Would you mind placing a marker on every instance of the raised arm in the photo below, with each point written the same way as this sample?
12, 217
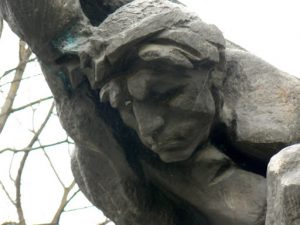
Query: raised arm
100, 165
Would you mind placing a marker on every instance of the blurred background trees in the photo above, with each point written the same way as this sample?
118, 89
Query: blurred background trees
36, 183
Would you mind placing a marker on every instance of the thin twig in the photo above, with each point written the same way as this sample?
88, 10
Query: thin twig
77, 209
71, 198
63, 204
31, 104
21, 168
28, 105
32, 149
25, 78
24, 55
13, 69
10, 168
7, 194
52, 166
39, 131
33, 118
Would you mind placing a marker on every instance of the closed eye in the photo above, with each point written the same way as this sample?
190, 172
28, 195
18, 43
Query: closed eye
165, 96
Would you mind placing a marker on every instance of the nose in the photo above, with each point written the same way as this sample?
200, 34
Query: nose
149, 118
149, 127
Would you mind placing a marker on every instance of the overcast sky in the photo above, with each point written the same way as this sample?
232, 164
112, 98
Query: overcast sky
268, 28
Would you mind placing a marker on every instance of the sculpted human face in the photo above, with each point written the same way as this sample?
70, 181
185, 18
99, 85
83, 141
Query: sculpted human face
170, 109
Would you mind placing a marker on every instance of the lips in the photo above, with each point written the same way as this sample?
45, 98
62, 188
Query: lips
178, 141
174, 154
171, 146
174, 147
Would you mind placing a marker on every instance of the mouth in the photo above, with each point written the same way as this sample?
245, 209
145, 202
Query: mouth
169, 147
173, 152
177, 154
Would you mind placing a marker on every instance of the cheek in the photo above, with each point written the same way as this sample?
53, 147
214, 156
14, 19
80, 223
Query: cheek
128, 118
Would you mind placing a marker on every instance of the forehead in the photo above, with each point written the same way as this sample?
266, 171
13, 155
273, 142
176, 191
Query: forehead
159, 68
161, 65
168, 54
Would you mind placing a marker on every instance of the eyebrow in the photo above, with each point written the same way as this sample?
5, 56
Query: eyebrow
155, 83
166, 87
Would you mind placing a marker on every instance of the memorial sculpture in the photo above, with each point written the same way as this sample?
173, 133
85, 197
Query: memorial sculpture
173, 124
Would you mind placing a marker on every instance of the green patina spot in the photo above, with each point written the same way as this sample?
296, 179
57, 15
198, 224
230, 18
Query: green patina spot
65, 79
66, 39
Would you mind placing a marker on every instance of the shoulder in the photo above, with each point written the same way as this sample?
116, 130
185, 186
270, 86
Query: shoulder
261, 105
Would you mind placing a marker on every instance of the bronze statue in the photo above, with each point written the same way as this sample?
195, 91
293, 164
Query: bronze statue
173, 124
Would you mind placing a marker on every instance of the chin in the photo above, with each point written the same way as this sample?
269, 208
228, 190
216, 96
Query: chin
180, 151
175, 156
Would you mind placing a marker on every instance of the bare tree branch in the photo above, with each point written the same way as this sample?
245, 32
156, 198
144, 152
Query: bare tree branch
10, 168
69, 192
31, 104
63, 203
65, 198
77, 209
18, 190
52, 166
71, 198
24, 54
13, 69
32, 149
21, 168
7, 194
39, 131
28, 105
23, 78
70, 141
